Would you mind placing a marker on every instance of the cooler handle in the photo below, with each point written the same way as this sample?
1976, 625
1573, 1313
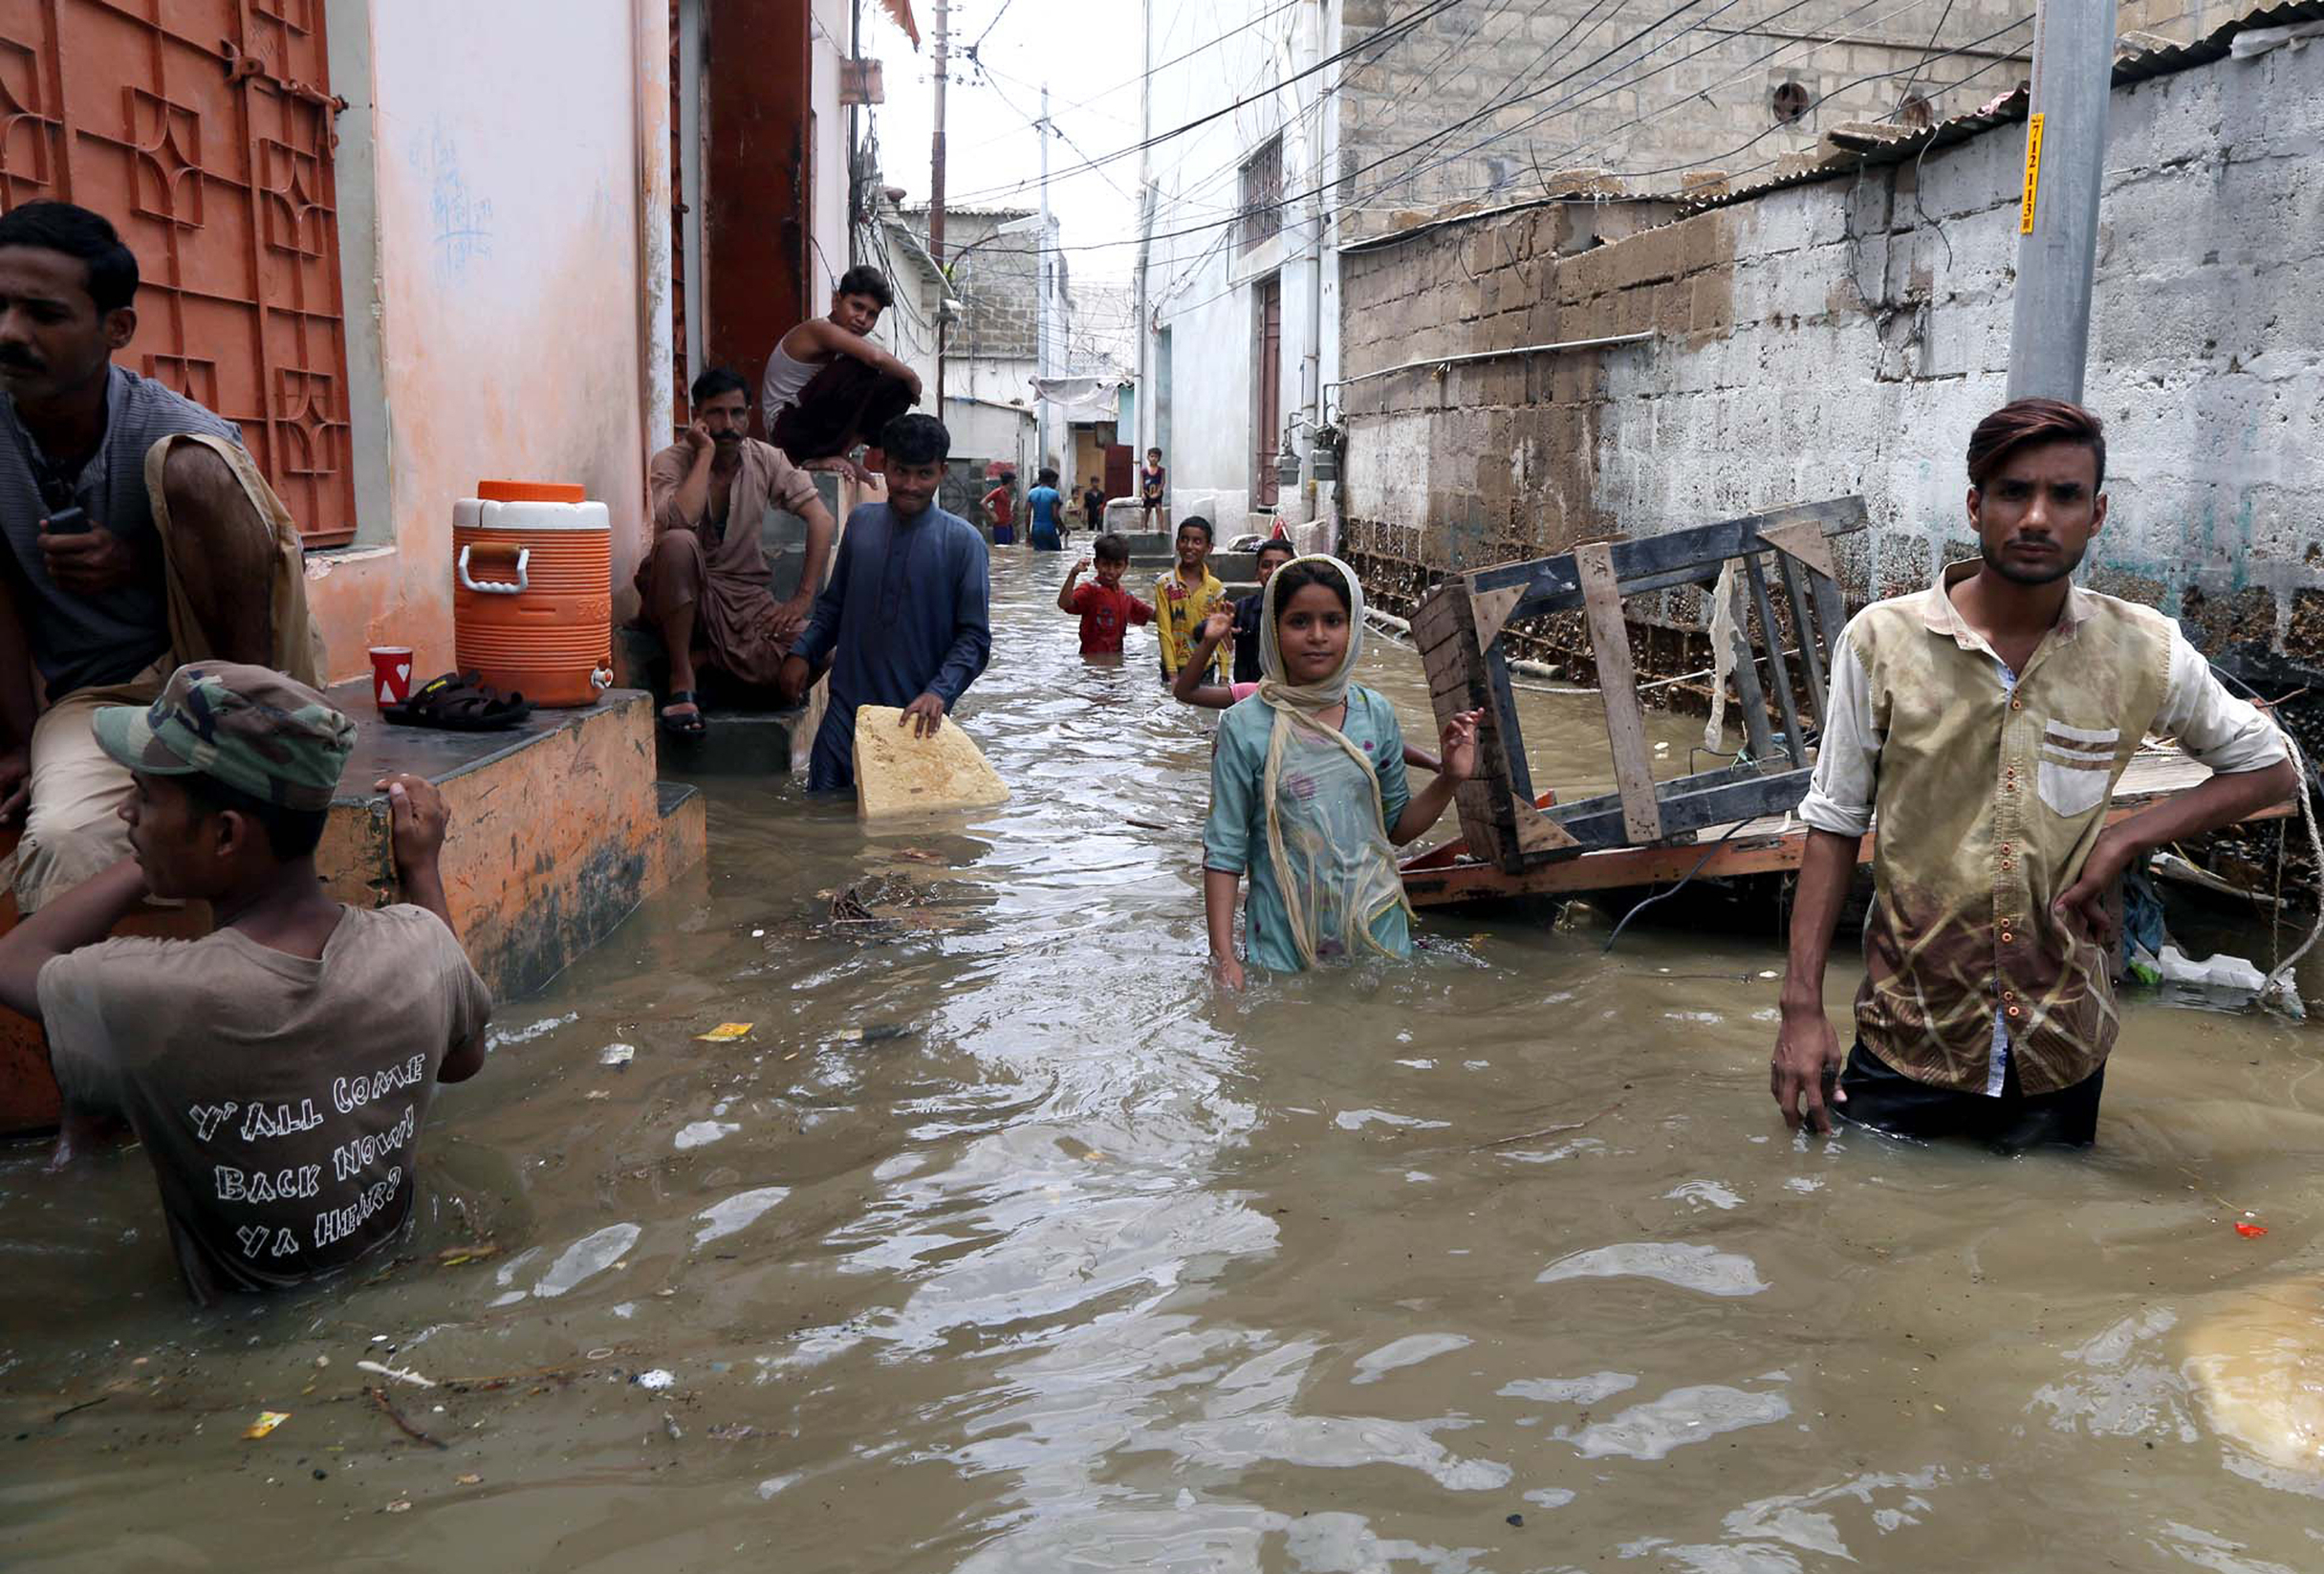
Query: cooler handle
489, 587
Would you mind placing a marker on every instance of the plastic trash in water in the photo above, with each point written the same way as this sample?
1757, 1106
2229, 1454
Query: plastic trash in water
616, 1054
725, 1032
2219, 973
267, 1422
654, 1381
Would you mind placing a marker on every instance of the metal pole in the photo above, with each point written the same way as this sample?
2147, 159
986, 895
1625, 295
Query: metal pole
2057, 240
1144, 422
935, 204
1041, 302
855, 132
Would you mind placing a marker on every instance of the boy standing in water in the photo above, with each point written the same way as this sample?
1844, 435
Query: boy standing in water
906, 620
1274, 553
1106, 610
1001, 504
1043, 504
1183, 597
277, 1072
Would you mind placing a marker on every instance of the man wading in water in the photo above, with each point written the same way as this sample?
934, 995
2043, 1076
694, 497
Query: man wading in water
1986, 720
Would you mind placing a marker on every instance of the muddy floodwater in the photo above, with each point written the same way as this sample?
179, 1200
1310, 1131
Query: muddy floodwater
1002, 1242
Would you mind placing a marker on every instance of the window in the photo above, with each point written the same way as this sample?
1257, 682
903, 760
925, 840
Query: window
1261, 215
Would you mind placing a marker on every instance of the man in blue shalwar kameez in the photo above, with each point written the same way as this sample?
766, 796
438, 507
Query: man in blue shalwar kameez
906, 620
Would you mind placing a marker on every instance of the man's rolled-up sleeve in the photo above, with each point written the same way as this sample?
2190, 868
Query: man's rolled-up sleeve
1848, 756
2228, 733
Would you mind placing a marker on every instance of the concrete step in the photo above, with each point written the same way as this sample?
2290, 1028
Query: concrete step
559, 829
744, 736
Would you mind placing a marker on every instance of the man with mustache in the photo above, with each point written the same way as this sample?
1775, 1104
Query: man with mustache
1986, 719
705, 583
139, 537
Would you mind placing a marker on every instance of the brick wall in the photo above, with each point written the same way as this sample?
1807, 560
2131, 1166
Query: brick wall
995, 277
1844, 337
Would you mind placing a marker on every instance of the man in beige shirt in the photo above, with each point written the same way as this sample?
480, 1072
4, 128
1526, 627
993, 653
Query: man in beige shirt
1986, 722
706, 584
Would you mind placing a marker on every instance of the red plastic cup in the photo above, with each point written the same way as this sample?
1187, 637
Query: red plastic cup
391, 674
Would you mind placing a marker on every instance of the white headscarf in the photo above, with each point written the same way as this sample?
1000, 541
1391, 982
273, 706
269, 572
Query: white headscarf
1308, 699
1363, 877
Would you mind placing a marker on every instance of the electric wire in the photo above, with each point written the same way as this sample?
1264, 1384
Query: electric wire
1388, 30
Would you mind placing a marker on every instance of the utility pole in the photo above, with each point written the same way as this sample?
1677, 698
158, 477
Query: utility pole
935, 204
1144, 422
1041, 302
2057, 232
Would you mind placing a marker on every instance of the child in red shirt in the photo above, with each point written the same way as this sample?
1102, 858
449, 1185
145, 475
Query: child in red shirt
1106, 610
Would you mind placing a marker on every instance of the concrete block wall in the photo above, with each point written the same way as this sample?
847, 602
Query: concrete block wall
1844, 337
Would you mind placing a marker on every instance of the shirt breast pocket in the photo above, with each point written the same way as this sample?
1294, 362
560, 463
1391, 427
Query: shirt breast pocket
2078, 766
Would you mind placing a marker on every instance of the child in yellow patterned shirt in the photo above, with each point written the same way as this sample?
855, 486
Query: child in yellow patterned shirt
1183, 597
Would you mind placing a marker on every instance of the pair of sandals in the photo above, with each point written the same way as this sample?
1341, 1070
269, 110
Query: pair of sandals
459, 702
690, 725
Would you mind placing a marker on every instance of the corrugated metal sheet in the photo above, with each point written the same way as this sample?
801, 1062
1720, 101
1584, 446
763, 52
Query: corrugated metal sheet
1869, 150
2129, 69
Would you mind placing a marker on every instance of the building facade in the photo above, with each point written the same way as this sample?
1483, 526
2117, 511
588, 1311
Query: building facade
405, 266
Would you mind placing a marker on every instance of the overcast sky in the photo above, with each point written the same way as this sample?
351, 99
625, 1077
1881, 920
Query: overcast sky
1091, 70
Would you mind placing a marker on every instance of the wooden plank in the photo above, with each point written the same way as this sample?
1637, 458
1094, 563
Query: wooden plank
1617, 685
1831, 611
1658, 563
1488, 610
1760, 848
1459, 680
1803, 616
1753, 698
1778, 669
1804, 541
1436, 620
1599, 821
1504, 698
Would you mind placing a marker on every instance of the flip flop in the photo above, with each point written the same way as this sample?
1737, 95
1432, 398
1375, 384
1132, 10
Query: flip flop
457, 702
683, 727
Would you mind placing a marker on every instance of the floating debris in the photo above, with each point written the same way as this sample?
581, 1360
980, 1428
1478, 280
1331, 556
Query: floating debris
398, 1373
654, 1381
725, 1032
267, 1422
616, 1054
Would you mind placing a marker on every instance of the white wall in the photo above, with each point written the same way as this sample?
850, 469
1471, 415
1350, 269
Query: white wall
504, 182
1199, 283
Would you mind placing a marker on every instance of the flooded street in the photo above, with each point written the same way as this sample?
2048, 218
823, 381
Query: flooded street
1004, 1242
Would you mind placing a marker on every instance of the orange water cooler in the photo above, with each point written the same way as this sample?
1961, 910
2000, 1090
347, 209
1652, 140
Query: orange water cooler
532, 590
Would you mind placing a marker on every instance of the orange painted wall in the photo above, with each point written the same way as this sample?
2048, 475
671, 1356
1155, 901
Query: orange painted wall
514, 295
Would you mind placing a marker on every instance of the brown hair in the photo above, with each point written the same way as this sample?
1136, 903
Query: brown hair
2027, 423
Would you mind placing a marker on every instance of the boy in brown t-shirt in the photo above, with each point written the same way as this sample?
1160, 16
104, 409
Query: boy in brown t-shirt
277, 1071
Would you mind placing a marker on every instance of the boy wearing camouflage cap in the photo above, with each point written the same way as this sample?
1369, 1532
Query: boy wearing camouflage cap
277, 1071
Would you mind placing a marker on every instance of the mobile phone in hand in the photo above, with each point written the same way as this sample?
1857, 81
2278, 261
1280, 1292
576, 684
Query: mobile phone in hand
71, 521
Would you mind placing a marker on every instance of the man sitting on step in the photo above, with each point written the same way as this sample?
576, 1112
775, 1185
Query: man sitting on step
139, 537
277, 1072
706, 584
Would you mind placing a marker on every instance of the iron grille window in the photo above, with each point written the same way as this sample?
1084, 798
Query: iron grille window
1261, 216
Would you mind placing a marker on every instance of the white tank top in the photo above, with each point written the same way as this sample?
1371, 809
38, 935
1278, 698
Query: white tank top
786, 379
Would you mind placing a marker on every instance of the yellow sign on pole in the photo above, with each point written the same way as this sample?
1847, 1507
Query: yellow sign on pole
2034, 173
